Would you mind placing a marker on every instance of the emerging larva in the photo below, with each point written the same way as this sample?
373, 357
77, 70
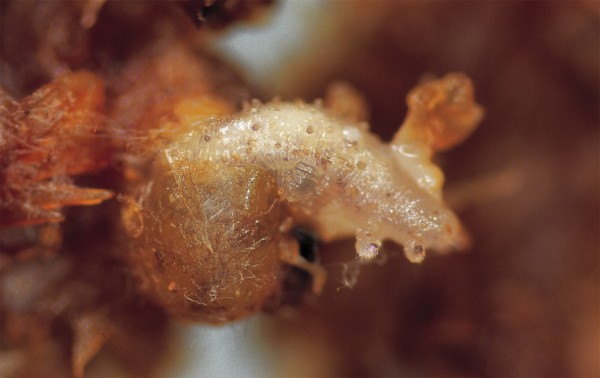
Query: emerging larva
221, 199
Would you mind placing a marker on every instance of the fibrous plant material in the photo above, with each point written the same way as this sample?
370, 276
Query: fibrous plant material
210, 192
209, 221
45, 140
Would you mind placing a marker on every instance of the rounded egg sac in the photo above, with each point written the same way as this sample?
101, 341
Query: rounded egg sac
204, 238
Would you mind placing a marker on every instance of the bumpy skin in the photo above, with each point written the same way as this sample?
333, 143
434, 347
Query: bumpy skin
334, 174
210, 224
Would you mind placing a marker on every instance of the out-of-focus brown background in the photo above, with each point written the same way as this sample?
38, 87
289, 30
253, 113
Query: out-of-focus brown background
525, 300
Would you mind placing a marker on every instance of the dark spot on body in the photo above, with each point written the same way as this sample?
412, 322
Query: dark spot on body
309, 245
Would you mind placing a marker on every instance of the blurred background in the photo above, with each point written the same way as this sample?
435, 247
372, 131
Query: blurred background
524, 301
